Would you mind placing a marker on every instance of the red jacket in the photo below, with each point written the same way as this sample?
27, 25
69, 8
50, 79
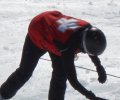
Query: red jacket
50, 26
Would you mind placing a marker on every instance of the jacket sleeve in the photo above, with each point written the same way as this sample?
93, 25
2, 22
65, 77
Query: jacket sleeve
68, 62
102, 76
96, 61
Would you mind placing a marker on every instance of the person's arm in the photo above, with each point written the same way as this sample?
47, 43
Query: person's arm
68, 62
100, 69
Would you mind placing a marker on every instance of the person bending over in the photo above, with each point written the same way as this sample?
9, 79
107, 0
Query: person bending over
62, 36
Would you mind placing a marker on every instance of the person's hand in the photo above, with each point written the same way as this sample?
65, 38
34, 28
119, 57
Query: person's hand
90, 95
98, 98
101, 74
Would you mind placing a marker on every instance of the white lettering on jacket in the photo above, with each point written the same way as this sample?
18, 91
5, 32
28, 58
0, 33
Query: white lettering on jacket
67, 24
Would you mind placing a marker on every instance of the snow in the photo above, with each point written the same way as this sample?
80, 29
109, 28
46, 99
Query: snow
15, 16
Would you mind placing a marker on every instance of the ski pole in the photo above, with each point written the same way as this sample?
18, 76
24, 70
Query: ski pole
96, 71
86, 69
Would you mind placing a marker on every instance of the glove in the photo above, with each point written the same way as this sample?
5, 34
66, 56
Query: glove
90, 95
101, 74
98, 98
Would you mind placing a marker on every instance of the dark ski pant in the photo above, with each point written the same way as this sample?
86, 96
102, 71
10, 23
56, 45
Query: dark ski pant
29, 60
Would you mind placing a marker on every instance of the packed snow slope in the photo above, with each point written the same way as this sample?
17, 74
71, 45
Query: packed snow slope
15, 16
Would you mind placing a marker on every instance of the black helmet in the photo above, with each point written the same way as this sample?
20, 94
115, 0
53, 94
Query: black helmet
93, 41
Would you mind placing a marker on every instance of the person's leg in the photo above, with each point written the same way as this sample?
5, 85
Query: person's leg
17, 79
58, 80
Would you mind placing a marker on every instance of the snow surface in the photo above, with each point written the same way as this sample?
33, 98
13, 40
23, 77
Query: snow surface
15, 16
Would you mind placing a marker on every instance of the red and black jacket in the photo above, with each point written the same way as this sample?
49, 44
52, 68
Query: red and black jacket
51, 26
